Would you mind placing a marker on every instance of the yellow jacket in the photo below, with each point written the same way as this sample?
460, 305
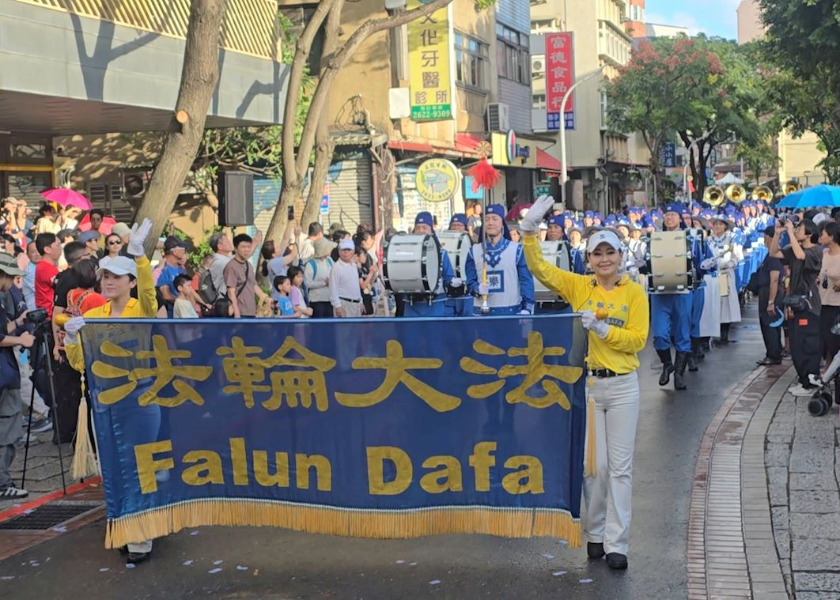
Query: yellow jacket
626, 304
145, 306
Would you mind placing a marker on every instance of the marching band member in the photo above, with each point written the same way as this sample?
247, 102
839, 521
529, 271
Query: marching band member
614, 344
458, 222
458, 302
699, 252
424, 225
727, 253
554, 233
672, 319
510, 285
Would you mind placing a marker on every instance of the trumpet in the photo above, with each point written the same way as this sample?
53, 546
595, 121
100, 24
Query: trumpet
714, 196
763, 193
736, 193
791, 187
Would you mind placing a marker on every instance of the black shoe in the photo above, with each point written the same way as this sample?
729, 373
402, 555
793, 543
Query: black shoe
616, 561
697, 347
595, 550
692, 362
135, 558
679, 370
768, 362
123, 550
667, 366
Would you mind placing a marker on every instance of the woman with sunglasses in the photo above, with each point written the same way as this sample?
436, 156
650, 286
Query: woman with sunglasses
113, 245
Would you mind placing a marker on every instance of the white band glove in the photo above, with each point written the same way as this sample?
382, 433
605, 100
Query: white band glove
137, 238
483, 290
525, 311
708, 264
71, 328
456, 282
531, 222
591, 322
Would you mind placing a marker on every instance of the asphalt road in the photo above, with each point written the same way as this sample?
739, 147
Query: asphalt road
273, 565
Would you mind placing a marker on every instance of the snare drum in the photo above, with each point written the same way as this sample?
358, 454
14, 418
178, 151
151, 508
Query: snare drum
669, 263
457, 245
558, 254
411, 264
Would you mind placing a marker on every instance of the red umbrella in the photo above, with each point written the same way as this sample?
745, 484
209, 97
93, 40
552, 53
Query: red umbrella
64, 197
104, 228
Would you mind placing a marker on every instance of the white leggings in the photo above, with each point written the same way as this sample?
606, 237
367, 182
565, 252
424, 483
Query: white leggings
608, 494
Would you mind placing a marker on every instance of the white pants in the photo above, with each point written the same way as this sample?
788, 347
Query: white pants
40, 408
608, 494
140, 547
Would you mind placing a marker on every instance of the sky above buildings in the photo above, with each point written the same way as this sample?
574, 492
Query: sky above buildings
712, 17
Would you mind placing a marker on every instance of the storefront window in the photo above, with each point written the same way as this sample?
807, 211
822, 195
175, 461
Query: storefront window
470, 61
513, 54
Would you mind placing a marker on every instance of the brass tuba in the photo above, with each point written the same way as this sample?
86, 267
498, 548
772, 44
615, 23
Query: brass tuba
714, 196
762, 192
736, 193
791, 187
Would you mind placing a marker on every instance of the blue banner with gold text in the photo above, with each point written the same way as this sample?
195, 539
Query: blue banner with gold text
385, 428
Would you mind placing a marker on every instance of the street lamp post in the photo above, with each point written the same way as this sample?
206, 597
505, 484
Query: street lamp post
564, 171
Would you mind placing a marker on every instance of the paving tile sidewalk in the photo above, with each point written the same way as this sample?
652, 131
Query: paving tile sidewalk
43, 474
803, 466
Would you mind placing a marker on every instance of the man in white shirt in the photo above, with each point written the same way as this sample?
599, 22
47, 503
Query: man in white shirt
307, 247
345, 289
222, 249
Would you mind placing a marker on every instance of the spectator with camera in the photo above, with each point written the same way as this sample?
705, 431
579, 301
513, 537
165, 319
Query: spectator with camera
804, 257
12, 335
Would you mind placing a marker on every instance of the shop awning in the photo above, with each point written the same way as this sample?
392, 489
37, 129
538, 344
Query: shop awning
467, 143
547, 162
465, 146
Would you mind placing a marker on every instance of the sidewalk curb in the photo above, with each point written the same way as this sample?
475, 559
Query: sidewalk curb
728, 540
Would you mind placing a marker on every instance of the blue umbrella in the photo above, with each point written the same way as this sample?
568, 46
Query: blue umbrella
813, 197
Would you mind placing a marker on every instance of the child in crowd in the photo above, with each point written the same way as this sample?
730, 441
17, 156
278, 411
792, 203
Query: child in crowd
296, 295
283, 287
184, 307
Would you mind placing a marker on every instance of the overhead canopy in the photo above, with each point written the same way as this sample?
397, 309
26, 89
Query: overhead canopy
729, 179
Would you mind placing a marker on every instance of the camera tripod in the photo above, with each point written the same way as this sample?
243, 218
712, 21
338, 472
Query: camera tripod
43, 337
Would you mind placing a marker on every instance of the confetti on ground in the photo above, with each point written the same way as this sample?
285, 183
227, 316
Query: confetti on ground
400, 562
434, 582
188, 563
61, 529
241, 568
35, 564
7, 577
564, 542
586, 581
218, 562
214, 571
130, 566
256, 572
559, 573
413, 564
194, 532
548, 556
104, 570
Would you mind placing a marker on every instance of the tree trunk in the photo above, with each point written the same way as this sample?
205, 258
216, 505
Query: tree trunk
323, 158
198, 80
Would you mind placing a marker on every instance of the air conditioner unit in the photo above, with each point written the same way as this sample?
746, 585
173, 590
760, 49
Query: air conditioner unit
537, 65
498, 117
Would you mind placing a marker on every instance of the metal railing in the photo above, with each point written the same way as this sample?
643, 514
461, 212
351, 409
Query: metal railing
250, 26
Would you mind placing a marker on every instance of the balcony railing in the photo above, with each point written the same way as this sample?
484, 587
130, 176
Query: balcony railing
250, 26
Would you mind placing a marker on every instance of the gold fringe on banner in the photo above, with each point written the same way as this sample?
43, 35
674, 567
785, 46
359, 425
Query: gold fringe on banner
591, 445
378, 524
84, 459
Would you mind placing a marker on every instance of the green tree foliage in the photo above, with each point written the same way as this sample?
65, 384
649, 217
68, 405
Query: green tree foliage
705, 90
802, 49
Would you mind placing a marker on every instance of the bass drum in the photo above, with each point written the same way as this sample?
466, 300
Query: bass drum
558, 254
670, 265
411, 264
457, 245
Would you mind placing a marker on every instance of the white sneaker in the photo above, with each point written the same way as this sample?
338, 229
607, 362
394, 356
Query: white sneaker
801, 391
13, 493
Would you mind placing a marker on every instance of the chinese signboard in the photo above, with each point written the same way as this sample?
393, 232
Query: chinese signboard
430, 65
398, 428
559, 77
437, 180
669, 155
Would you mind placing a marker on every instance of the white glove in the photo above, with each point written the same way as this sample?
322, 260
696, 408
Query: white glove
708, 264
137, 238
531, 222
591, 322
71, 328
483, 290
456, 282
525, 312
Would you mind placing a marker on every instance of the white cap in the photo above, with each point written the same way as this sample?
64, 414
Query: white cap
603, 237
820, 218
119, 266
346, 245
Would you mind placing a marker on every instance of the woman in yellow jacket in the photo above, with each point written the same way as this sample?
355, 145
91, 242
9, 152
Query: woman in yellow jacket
118, 276
616, 335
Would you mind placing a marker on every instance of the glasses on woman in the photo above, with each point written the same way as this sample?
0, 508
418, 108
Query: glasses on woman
115, 243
